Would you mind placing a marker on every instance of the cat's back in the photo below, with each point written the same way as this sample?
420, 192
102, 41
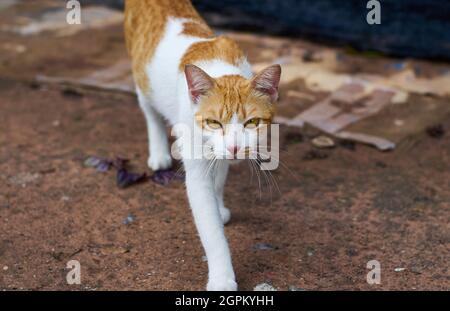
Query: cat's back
146, 26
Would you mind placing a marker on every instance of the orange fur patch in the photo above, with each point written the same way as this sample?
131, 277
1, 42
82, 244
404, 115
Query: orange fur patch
199, 30
234, 94
221, 48
145, 22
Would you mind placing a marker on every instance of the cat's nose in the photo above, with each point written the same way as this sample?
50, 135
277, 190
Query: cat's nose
233, 149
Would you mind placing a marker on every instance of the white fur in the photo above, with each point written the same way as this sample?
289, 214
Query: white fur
169, 98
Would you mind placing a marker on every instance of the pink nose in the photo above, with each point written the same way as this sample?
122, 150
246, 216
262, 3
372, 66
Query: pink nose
233, 149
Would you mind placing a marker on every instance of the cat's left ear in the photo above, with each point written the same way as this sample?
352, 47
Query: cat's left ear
267, 81
199, 82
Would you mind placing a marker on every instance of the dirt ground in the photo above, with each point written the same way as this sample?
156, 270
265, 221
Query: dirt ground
336, 209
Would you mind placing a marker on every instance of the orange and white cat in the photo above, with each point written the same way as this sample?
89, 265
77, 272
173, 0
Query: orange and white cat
186, 75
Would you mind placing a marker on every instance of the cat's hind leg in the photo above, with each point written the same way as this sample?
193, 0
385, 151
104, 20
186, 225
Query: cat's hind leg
159, 150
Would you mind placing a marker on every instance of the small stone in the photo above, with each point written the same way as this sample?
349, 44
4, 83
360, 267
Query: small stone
293, 288
65, 198
323, 142
264, 287
56, 123
264, 246
399, 269
5, 268
399, 122
130, 218
22, 179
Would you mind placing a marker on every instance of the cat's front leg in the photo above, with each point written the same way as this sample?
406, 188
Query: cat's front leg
205, 209
220, 178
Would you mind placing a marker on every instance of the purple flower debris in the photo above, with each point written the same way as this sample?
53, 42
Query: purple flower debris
104, 164
100, 164
163, 177
119, 163
126, 178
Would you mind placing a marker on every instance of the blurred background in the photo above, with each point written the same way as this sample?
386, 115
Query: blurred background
410, 28
365, 157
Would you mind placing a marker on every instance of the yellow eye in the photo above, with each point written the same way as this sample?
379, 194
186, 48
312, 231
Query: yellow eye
252, 123
213, 124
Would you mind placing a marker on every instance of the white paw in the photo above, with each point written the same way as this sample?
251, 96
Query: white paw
159, 161
225, 214
222, 284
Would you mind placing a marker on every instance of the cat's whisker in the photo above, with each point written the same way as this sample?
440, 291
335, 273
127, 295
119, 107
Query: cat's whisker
280, 162
251, 171
272, 177
268, 185
209, 166
270, 181
213, 168
259, 177
253, 158
179, 170
274, 181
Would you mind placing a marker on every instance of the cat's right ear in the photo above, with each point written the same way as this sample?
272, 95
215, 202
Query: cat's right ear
198, 81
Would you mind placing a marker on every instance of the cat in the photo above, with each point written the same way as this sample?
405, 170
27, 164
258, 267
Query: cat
186, 75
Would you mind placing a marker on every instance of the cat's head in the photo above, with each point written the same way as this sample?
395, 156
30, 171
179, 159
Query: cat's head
231, 110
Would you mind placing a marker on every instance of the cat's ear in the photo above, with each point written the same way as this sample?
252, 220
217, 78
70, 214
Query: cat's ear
198, 81
267, 81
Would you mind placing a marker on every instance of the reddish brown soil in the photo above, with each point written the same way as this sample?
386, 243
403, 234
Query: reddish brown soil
337, 209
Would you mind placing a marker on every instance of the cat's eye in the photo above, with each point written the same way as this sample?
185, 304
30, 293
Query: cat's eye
252, 123
213, 124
